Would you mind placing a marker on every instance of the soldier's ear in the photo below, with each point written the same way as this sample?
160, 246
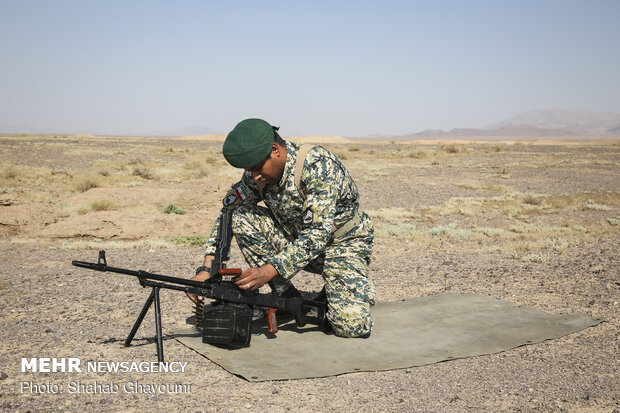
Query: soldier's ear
275, 150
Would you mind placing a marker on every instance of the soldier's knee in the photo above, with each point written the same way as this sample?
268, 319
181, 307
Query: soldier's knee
350, 321
359, 330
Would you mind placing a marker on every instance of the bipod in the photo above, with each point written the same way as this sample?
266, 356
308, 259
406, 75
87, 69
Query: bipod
154, 297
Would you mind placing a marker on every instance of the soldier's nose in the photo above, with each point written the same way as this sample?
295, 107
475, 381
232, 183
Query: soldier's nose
256, 175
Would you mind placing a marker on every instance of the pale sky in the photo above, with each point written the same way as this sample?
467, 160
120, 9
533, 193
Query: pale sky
347, 68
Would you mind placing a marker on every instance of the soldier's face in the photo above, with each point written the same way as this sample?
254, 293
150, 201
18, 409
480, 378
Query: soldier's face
271, 168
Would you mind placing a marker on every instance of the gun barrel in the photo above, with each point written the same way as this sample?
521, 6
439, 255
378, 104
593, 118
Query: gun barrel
140, 274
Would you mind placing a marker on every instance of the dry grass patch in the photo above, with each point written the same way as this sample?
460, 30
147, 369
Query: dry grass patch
9, 172
391, 214
452, 148
406, 231
97, 206
143, 171
103, 205
172, 209
197, 167
516, 204
451, 231
419, 154
84, 183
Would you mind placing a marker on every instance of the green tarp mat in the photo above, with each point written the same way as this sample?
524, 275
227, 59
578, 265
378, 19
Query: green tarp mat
406, 333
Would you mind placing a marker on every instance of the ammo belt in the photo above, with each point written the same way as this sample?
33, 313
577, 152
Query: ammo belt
349, 225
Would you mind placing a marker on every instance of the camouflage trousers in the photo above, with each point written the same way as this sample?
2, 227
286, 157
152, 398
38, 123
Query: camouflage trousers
344, 266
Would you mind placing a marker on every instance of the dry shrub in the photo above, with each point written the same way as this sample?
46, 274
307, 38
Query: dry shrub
403, 231
452, 148
172, 209
102, 205
451, 231
84, 209
10, 172
84, 183
189, 240
354, 148
497, 148
391, 214
202, 172
591, 205
143, 172
418, 154
532, 200
193, 164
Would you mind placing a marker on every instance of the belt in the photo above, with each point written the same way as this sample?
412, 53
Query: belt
349, 225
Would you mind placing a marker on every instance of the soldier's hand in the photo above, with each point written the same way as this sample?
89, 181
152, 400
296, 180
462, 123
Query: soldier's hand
254, 278
201, 276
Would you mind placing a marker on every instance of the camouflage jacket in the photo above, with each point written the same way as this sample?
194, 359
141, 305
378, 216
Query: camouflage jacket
331, 199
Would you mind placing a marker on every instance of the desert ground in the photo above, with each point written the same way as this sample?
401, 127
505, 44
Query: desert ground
534, 223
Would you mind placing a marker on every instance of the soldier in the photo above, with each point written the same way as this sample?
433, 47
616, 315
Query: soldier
312, 221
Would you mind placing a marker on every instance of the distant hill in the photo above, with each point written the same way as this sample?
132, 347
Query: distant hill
505, 132
575, 121
535, 124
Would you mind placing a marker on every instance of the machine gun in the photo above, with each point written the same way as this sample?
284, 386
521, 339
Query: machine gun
228, 320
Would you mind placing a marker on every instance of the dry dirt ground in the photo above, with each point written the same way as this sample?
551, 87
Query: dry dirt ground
534, 224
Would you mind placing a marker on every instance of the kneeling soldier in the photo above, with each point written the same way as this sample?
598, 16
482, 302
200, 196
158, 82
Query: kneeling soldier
312, 221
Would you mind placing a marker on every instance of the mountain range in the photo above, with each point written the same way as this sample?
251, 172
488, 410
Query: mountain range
546, 123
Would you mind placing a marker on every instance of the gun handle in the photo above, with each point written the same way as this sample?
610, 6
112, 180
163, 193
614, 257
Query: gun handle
272, 323
230, 271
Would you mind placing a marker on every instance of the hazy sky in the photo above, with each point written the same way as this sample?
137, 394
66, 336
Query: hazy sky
348, 68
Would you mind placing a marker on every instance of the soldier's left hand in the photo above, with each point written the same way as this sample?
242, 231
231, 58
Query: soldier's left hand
254, 278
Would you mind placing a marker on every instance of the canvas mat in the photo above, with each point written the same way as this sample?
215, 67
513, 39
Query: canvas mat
406, 333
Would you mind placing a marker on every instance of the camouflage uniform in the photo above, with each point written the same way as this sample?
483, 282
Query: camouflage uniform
296, 232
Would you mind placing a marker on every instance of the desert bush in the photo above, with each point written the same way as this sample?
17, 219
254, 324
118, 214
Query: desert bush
193, 164
84, 183
497, 148
143, 172
10, 172
202, 172
354, 148
172, 209
613, 221
591, 205
451, 231
396, 215
532, 200
418, 154
490, 232
451, 148
84, 209
538, 258
189, 240
102, 205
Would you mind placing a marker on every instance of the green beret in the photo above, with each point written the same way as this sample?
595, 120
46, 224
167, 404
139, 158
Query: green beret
248, 143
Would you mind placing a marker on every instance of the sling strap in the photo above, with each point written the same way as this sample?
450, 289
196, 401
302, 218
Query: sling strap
299, 166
